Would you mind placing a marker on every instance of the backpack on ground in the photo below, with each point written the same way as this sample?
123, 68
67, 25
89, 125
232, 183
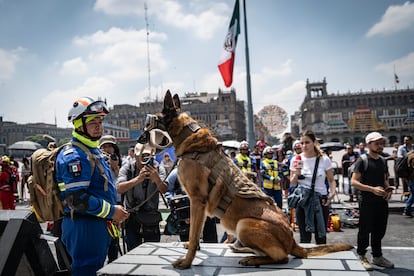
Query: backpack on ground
42, 185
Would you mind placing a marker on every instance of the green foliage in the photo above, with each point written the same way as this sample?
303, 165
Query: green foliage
39, 138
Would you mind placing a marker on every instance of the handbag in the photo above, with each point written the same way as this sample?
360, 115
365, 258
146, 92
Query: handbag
296, 196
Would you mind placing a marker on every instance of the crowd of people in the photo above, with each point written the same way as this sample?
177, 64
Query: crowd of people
122, 196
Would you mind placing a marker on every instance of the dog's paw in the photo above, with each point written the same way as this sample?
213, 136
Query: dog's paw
249, 261
181, 264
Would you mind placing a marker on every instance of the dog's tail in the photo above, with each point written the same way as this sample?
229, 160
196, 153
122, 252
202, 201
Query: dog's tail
320, 250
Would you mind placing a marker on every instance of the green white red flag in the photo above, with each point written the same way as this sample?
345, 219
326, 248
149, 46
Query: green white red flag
397, 80
226, 63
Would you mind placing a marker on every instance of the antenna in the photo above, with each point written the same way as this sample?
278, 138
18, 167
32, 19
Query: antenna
148, 54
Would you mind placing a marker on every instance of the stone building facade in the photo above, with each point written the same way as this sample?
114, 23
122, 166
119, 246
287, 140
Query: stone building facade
221, 112
348, 117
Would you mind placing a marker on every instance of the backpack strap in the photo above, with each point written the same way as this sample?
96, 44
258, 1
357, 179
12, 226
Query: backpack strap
93, 161
364, 158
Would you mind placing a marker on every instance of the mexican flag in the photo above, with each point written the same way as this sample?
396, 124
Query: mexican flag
397, 80
226, 63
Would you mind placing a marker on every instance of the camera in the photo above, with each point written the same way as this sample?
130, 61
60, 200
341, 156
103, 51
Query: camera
114, 156
148, 160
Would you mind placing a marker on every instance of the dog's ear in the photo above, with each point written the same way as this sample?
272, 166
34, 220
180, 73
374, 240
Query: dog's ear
168, 102
177, 103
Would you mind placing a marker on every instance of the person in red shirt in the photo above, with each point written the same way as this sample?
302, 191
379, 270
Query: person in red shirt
6, 187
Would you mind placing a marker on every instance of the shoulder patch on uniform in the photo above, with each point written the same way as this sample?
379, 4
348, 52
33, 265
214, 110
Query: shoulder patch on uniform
67, 149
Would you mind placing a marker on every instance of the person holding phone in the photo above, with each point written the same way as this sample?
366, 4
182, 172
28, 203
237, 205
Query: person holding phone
142, 182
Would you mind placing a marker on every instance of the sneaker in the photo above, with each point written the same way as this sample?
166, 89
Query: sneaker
381, 261
365, 263
407, 214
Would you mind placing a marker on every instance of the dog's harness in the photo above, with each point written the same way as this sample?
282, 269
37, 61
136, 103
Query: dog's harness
223, 169
187, 131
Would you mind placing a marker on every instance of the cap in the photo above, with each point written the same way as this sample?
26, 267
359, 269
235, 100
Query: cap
107, 139
374, 136
147, 149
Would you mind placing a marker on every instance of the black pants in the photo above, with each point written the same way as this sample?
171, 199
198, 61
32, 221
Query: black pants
114, 250
209, 232
306, 237
137, 233
373, 219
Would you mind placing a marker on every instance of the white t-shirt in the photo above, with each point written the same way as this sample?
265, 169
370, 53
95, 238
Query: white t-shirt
308, 165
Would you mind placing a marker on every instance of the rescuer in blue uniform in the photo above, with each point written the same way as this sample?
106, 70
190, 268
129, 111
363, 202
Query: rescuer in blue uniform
88, 189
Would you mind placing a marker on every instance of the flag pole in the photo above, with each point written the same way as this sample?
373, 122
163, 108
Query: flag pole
395, 79
250, 132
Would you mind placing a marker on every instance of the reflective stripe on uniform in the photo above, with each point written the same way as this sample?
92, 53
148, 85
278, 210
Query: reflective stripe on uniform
267, 183
77, 184
106, 208
61, 186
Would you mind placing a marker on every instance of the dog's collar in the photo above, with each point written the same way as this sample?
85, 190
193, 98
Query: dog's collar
187, 131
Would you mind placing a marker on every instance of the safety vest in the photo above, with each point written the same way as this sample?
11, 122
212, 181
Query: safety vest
271, 169
244, 162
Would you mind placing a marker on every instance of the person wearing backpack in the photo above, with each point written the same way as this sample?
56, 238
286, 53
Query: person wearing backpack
88, 191
371, 180
408, 184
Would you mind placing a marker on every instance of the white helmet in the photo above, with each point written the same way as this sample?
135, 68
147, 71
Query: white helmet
268, 150
86, 106
244, 145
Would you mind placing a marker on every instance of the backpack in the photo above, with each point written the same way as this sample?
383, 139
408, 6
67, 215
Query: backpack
351, 168
401, 166
364, 158
42, 185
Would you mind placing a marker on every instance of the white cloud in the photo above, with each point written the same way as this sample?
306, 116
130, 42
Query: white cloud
75, 66
94, 87
211, 16
122, 53
395, 19
403, 66
8, 62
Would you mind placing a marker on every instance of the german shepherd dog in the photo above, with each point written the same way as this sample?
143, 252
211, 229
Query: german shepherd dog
216, 187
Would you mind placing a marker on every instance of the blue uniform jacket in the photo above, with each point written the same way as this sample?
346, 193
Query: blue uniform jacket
73, 169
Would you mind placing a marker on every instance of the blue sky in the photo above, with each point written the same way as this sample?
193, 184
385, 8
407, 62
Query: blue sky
52, 52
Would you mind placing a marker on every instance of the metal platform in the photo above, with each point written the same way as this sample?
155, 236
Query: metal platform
218, 259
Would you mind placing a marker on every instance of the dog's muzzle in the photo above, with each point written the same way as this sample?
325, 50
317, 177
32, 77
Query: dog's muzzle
153, 135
